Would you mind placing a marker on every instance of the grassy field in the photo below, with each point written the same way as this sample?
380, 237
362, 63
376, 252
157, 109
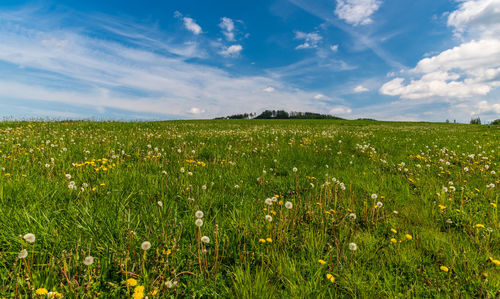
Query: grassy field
302, 209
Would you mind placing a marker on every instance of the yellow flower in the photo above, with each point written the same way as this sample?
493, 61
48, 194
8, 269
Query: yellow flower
479, 225
269, 240
330, 277
496, 262
409, 237
444, 268
131, 282
394, 230
138, 295
262, 240
442, 207
41, 291
154, 292
394, 241
321, 261
493, 204
139, 289
485, 275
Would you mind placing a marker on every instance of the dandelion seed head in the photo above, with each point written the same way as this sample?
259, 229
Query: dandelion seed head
205, 239
23, 254
269, 218
146, 245
30, 238
288, 205
353, 246
89, 260
374, 196
199, 222
198, 214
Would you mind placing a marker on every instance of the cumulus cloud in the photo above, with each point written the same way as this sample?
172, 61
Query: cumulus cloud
319, 96
477, 17
233, 50
269, 89
360, 89
311, 40
357, 12
196, 110
191, 25
340, 110
227, 26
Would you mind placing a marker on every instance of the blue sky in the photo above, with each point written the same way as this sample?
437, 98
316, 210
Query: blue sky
388, 60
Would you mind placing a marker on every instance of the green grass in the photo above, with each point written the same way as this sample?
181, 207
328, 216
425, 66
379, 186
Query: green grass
227, 169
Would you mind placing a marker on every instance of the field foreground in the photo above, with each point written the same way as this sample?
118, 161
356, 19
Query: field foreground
286, 209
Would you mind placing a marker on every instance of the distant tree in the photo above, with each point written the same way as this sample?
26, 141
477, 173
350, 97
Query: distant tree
281, 114
496, 122
475, 121
447, 121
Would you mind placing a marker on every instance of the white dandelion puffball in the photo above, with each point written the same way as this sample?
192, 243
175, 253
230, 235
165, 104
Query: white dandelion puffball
466, 169
374, 196
89, 260
169, 284
68, 176
30, 238
353, 246
269, 218
205, 239
145, 245
23, 254
288, 205
352, 216
380, 204
198, 222
204, 187
295, 169
268, 201
198, 214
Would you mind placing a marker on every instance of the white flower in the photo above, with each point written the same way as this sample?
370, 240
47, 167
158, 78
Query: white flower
268, 201
353, 246
288, 205
198, 222
205, 239
449, 221
352, 216
204, 187
452, 188
295, 169
145, 245
89, 260
466, 169
160, 203
68, 176
23, 254
190, 173
169, 284
183, 170
198, 214
445, 189
236, 186
47, 165
374, 196
269, 218
380, 204
30, 238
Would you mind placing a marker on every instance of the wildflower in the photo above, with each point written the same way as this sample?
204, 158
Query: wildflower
269, 240
393, 230
68, 176
268, 201
262, 241
183, 170
295, 169
131, 282
23, 254
198, 222
493, 204
198, 214
54, 295
30, 238
466, 169
374, 196
269, 218
449, 221
409, 237
139, 289
353, 246
479, 225
169, 284
41, 291
288, 205
89, 260
205, 239
444, 268
204, 187
496, 262
352, 216
393, 241
330, 277
379, 204
321, 261
145, 245
160, 203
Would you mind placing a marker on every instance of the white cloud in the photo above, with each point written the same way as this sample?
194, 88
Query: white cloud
360, 89
319, 96
477, 17
340, 110
233, 50
196, 110
269, 89
191, 25
311, 40
227, 26
334, 48
357, 12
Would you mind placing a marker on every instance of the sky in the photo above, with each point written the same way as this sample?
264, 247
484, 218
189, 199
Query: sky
425, 60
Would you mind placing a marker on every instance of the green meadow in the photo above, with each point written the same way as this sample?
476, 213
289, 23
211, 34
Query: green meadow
249, 209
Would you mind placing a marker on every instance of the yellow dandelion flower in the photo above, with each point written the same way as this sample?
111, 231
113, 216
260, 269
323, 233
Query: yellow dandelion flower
131, 282
139, 289
409, 237
154, 292
41, 291
262, 241
138, 295
444, 268
485, 275
493, 204
330, 277
393, 241
321, 261
269, 240
496, 262
479, 225
394, 230
442, 207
